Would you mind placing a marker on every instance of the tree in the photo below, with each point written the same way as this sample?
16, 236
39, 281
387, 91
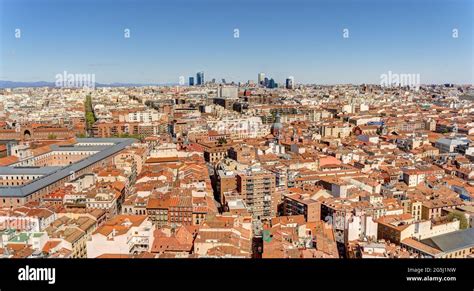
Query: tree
222, 140
90, 119
52, 136
128, 135
274, 114
89, 111
459, 216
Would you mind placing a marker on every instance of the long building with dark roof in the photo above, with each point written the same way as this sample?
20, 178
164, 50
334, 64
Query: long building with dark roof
457, 244
97, 152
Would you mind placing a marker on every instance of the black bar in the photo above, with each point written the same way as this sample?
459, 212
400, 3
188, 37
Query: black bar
118, 272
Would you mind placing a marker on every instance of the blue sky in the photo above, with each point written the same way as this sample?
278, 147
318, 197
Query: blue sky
175, 38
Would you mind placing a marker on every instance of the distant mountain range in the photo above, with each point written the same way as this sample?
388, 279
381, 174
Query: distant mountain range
13, 84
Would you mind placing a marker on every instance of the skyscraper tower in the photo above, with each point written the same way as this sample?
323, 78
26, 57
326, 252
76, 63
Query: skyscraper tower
272, 84
261, 78
265, 82
191, 81
200, 78
290, 82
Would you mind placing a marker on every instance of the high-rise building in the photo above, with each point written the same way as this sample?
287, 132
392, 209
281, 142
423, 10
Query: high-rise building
265, 82
272, 84
261, 78
257, 189
200, 78
191, 81
290, 82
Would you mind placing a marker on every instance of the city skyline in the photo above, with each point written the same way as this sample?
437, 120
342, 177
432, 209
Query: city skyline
305, 40
162, 139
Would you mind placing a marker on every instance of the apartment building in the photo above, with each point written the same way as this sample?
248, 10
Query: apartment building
257, 188
122, 235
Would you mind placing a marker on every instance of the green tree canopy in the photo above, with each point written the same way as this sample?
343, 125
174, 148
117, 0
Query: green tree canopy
463, 224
